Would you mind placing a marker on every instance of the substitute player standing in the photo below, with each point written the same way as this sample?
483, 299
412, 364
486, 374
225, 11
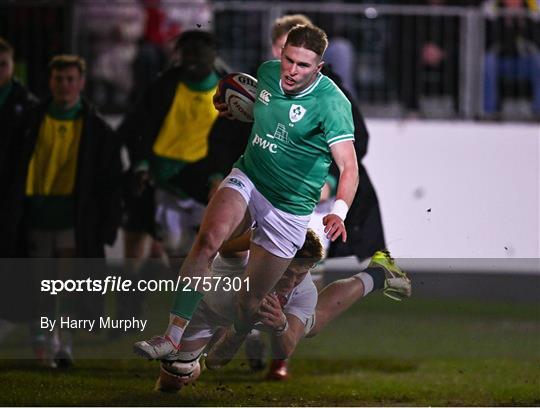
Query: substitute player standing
302, 121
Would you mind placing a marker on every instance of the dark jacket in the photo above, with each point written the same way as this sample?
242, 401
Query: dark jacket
513, 37
364, 224
11, 120
97, 192
141, 126
11, 114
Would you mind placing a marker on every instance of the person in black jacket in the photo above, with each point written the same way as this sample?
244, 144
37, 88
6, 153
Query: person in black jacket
87, 188
66, 191
15, 100
167, 135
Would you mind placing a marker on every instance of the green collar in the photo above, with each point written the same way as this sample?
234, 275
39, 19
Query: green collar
4, 92
59, 113
206, 84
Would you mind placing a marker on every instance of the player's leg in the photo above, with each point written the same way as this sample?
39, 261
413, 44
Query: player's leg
68, 304
274, 243
263, 271
334, 299
225, 217
185, 368
41, 245
255, 348
138, 227
381, 274
129, 304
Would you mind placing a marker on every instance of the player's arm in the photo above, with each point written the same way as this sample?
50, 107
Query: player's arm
284, 345
287, 329
345, 158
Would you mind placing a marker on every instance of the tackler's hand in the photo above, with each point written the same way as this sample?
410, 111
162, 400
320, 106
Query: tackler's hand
334, 227
221, 106
271, 313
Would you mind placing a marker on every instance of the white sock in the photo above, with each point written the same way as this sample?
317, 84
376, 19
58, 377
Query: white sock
367, 280
173, 331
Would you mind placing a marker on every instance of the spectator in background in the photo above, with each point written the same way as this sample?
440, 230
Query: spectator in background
513, 55
186, 176
167, 134
130, 41
113, 32
67, 192
164, 22
427, 57
15, 100
340, 57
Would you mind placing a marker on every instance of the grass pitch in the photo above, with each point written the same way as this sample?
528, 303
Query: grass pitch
417, 352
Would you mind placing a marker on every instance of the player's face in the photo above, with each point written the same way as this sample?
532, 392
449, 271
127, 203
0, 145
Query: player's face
293, 276
277, 46
6, 68
66, 86
299, 68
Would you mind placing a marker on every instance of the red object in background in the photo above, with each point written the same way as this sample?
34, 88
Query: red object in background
159, 29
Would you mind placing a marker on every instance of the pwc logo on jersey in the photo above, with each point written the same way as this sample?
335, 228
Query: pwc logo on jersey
265, 96
296, 113
266, 145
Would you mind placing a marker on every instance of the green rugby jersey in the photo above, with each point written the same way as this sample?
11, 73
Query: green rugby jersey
288, 153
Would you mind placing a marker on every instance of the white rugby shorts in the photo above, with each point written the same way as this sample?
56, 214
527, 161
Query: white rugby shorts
280, 233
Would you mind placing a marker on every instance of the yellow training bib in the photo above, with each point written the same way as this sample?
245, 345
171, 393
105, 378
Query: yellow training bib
53, 167
184, 133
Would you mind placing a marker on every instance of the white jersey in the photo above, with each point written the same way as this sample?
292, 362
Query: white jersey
301, 301
217, 308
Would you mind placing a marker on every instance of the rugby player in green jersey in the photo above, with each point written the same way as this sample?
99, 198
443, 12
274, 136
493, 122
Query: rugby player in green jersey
302, 121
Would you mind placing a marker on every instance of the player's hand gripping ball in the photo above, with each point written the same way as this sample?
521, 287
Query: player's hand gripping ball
238, 91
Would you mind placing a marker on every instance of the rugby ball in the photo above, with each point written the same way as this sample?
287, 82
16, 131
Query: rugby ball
238, 91
172, 376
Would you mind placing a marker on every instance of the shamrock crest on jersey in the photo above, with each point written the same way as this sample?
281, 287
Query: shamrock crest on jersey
296, 113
